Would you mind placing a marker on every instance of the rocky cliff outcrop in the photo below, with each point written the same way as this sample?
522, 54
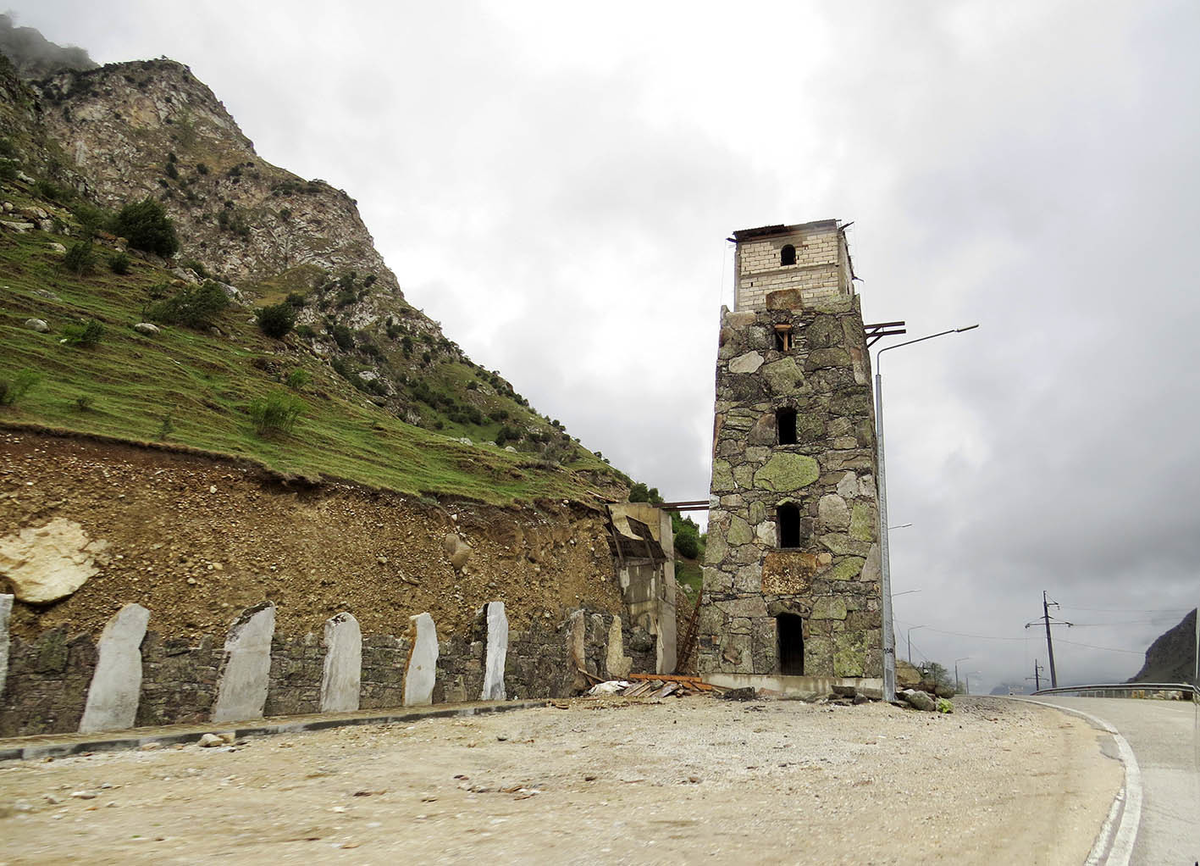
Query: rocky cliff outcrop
1172, 656
151, 128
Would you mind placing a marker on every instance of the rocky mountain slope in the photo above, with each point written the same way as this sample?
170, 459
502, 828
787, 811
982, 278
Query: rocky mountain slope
1172, 656
83, 143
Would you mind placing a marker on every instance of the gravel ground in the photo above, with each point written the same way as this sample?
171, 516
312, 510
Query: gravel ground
597, 781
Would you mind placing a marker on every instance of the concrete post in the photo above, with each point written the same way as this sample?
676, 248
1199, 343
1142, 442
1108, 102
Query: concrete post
421, 672
497, 653
116, 687
242, 692
342, 675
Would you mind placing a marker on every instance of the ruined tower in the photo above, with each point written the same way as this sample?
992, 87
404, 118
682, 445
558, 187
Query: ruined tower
791, 573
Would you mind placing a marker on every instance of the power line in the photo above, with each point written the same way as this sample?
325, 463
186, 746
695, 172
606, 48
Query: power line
961, 634
1131, 609
1109, 648
1119, 622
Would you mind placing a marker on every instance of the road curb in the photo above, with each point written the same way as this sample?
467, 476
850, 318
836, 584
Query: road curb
1114, 843
135, 739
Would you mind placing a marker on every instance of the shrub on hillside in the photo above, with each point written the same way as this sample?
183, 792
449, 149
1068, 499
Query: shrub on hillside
147, 227
90, 218
276, 320
86, 334
641, 493
195, 306
687, 539
118, 263
298, 378
276, 413
52, 191
80, 258
14, 387
343, 336
196, 267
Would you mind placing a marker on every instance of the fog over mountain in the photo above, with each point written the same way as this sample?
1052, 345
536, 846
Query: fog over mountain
33, 55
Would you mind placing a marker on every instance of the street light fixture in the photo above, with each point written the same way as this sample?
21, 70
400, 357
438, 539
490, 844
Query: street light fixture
967, 679
889, 637
910, 631
957, 671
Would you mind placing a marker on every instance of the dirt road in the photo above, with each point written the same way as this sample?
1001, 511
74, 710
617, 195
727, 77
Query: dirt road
687, 780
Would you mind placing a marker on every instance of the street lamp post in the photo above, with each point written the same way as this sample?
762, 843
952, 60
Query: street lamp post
956, 661
910, 631
889, 636
967, 679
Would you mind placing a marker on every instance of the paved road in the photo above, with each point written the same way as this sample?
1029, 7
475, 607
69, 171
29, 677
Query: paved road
1163, 736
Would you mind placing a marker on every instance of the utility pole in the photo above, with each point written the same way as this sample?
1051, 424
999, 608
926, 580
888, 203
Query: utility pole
1045, 619
1049, 641
1037, 680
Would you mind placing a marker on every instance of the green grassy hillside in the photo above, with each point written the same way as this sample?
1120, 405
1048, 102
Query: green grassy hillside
196, 388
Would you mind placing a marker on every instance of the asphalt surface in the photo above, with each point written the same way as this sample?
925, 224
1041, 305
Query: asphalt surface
1163, 737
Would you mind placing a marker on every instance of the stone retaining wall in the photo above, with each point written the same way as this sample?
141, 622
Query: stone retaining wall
49, 678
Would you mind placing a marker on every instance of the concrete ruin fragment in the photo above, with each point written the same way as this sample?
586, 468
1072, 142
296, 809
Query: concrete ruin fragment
616, 663
497, 652
245, 677
342, 672
420, 673
112, 699
6, 601
642, 543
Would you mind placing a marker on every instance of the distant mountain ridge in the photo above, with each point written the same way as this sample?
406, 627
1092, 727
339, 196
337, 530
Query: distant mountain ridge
1172, 656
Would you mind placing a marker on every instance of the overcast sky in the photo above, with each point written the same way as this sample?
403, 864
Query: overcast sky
554, 182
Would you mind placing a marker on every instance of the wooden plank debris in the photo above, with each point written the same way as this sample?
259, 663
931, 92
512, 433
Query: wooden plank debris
656, 686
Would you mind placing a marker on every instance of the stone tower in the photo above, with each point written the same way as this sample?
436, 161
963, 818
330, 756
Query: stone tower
791, 573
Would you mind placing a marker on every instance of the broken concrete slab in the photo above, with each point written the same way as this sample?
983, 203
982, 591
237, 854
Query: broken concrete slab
421, 671
242, 690
497, 652
342, 676
616, 663
112, 699
5, 613
576, 654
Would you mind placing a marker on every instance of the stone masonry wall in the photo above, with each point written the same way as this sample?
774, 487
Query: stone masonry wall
820, 271
48, 678
832, 578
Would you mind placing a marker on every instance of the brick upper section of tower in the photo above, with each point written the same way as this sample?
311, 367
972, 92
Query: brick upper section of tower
811, 259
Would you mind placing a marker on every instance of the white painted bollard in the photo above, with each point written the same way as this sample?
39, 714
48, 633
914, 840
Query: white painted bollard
497, 652
116, 687
421, 671
242, 692
342, 675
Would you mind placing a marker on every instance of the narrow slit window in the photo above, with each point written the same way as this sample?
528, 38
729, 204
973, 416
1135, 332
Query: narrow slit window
783, 338
787, 255
790, 629
789, 525
785, 424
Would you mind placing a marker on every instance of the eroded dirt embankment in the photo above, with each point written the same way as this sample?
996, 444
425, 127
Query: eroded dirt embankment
196, 540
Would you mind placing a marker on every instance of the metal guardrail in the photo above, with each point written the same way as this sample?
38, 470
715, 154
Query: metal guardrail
1095, 690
